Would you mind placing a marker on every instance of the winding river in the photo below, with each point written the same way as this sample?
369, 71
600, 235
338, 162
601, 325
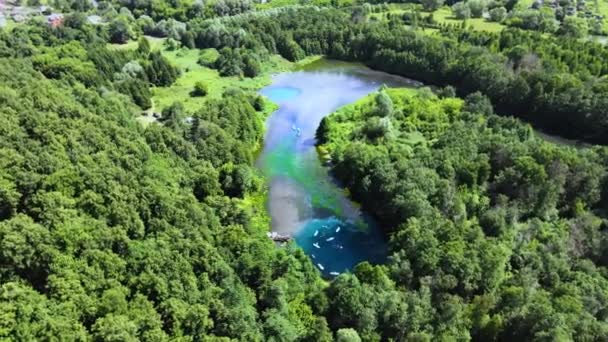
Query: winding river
304, 201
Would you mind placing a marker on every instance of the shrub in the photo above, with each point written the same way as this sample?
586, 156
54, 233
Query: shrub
200, 89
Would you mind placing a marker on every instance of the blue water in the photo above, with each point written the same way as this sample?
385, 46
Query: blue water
280, 94
304, 200
349, 245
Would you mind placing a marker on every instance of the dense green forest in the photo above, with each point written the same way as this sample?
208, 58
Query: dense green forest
558, 84
111, 230
504, 231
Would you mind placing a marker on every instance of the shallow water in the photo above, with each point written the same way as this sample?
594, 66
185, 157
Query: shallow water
304, 200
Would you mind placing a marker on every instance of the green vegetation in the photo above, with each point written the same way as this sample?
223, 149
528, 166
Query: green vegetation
557, 83
445, 16
602, 9
193, 72
283, 3
200, 89
194, 66
115, 231
444, 176
109, 231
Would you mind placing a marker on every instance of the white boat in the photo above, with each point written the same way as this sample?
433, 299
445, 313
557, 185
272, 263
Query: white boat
338, 229
316, 233
329, 239
316, 245
334, 273
313, 256
321, 267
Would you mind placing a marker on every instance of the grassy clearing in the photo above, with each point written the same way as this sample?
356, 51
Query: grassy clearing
155, 43
255, 205
602, 9
408, 130
524, 4
444, 16
348, 117
180, 90
395, 9
192, 72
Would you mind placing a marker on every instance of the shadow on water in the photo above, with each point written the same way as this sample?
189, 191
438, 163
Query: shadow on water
304, 200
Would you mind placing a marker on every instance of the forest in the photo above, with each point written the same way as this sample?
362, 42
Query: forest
503, 231
111, 230
558, 84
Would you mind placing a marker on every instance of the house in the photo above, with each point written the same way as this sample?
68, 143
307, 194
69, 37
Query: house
54, 19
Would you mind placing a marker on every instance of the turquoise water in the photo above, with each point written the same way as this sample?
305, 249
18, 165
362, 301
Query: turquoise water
304, 200
282, 93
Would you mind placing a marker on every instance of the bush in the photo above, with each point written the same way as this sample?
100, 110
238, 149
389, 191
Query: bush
539, 20
200, 89
477, 7
251, 66
461, 10
498, 14
208, 57
259, 104
171, 44
447, 91
478, 103
574, 27
431, 5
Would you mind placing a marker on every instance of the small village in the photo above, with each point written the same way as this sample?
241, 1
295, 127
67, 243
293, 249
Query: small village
15, 12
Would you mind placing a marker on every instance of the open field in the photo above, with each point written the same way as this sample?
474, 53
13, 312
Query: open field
191, 72
155, 44
602, 9
444, 16
524, 4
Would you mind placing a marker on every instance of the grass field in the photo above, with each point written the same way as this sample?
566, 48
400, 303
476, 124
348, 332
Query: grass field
155, 44
444, 16
395, 9
351, 115
191, 72
602, 9
524, 4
